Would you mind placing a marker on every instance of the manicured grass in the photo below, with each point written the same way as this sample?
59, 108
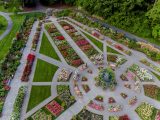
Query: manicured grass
3, 24
157, 76
44, 71
94, 41
6, 42
110, 50
47, 49
38, 94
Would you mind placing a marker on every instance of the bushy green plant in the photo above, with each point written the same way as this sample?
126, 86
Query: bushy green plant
18, 104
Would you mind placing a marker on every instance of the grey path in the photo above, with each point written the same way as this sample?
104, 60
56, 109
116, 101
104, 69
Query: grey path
9, 27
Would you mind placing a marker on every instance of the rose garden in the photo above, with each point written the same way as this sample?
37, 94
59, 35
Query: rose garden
73, 69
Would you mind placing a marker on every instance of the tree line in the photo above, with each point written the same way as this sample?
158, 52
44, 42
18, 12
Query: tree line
141, 17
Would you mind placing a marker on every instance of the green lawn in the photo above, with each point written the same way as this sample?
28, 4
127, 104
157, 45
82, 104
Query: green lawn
110, 50
6, 42
47, 49
156, 75
38, 94
3, 24
94, 41
44, 71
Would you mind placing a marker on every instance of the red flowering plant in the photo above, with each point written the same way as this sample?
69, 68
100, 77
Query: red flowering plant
60, 38
119, 47
124, 117
82, 42
7, 87
55, 108
96, 34
28, 67
77, 62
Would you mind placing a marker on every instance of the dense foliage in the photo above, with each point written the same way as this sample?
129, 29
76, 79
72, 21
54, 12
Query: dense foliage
50, 2
18, 104
137, 16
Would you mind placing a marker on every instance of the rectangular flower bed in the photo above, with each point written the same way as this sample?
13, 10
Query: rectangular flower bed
81, 42
28, 68
96, 106
87, 115
146, 111
141, 73
86, 88
54, 108
64, 75
144, 61
36, 36
152, 91
64, 47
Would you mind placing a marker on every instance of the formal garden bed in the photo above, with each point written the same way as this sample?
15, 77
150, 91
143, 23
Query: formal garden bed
85, 87
96, 106
99, 98
64, 75
18, 103
156, 68
87, 115
28, 68
115, 60
64, 47
119, 47
146, 111
156, 75
141, 73
94, 41
152, 91
111, 50
123, 117
84, 45
37, 36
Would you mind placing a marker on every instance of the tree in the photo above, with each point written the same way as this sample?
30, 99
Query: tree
29, 3
154, 18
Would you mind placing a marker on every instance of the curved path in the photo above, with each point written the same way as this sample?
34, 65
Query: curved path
9, 27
